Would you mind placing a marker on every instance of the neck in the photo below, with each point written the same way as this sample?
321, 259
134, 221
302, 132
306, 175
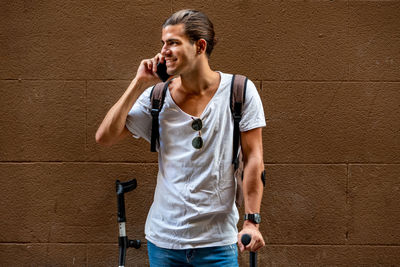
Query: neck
200, 79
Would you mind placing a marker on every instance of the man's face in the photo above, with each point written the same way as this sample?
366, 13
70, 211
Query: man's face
179, 52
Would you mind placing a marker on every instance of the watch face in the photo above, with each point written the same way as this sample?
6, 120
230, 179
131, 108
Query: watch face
255, 218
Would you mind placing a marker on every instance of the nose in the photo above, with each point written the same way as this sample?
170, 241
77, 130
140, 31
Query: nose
165, 51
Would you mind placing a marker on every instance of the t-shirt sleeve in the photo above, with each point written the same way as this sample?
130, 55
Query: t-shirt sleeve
139, 117
253, 111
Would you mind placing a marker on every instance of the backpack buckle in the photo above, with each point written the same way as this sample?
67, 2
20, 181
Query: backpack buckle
154, 112
237, 117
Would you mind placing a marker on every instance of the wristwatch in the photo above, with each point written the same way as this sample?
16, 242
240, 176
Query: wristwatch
255, 218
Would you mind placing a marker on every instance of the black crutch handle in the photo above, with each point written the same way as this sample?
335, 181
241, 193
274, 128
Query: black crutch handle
125, 187
121, 188
123, 242
246, 239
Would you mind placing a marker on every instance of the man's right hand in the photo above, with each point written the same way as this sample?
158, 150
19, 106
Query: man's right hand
113, 129
146, 74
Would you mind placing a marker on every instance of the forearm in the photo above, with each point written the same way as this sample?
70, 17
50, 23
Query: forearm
252, 190
114, 122
252, 184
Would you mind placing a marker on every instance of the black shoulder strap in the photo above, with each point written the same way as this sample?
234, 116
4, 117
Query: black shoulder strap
157, 97
238, 93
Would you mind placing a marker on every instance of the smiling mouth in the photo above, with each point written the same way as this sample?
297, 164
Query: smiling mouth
169, 61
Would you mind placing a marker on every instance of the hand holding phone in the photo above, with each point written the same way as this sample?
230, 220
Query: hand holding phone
162, 71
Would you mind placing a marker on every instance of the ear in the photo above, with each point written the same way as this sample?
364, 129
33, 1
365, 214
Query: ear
201, 46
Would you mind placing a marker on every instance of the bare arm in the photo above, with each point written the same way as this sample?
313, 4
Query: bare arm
251, 142
113, 129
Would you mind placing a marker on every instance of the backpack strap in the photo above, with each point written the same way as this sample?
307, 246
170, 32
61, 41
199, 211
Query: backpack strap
157, 97
238, 93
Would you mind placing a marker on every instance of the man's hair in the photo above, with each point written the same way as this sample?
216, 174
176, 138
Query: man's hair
196, 25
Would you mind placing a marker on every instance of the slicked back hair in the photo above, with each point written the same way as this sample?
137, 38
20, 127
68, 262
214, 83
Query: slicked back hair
196, 25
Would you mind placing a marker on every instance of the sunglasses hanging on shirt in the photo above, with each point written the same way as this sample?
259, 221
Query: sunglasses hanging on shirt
197, 125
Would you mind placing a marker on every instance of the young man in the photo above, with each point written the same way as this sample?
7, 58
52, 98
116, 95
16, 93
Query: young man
193, 218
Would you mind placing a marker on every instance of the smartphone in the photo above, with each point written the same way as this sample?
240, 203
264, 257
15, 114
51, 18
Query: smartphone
162, 71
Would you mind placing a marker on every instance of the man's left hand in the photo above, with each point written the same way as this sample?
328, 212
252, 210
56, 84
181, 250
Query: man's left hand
257, 241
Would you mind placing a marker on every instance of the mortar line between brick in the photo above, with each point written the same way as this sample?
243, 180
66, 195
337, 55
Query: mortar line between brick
87, 255
348, 38
61, 80
270, 245
56, 243
347, 208
136, 162
333, 245
265, 80
333, 163
331, 81
86, 117
74, 162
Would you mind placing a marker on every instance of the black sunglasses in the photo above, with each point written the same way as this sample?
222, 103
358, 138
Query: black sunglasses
197, 125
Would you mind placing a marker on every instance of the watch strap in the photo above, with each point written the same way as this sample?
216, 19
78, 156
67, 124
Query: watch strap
255, 218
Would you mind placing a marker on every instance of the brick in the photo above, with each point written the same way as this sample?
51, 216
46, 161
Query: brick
325, 256
43, 255
80, 40
72, 202
304, 204
278, 40
42, 120
102, 95
122, 34
45, 40
372, 255
374, 50
374, 193
107, 255
319, 122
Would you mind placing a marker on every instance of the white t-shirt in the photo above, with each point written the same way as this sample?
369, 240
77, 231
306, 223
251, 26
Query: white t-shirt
194, 200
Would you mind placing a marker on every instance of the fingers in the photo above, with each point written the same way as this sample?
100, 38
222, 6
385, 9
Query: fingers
148, 64
256, 242
240, 244
147, 69
254, 245
154, 62
151, 64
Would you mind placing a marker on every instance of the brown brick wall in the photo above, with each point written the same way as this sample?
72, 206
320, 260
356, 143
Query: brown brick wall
329, 76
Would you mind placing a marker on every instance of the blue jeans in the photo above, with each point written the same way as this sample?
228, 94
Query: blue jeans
226, 256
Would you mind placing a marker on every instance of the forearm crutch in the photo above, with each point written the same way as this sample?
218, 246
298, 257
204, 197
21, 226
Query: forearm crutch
253, 255
123, 241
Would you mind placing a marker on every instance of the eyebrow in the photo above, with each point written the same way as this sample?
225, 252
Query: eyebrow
170, 40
